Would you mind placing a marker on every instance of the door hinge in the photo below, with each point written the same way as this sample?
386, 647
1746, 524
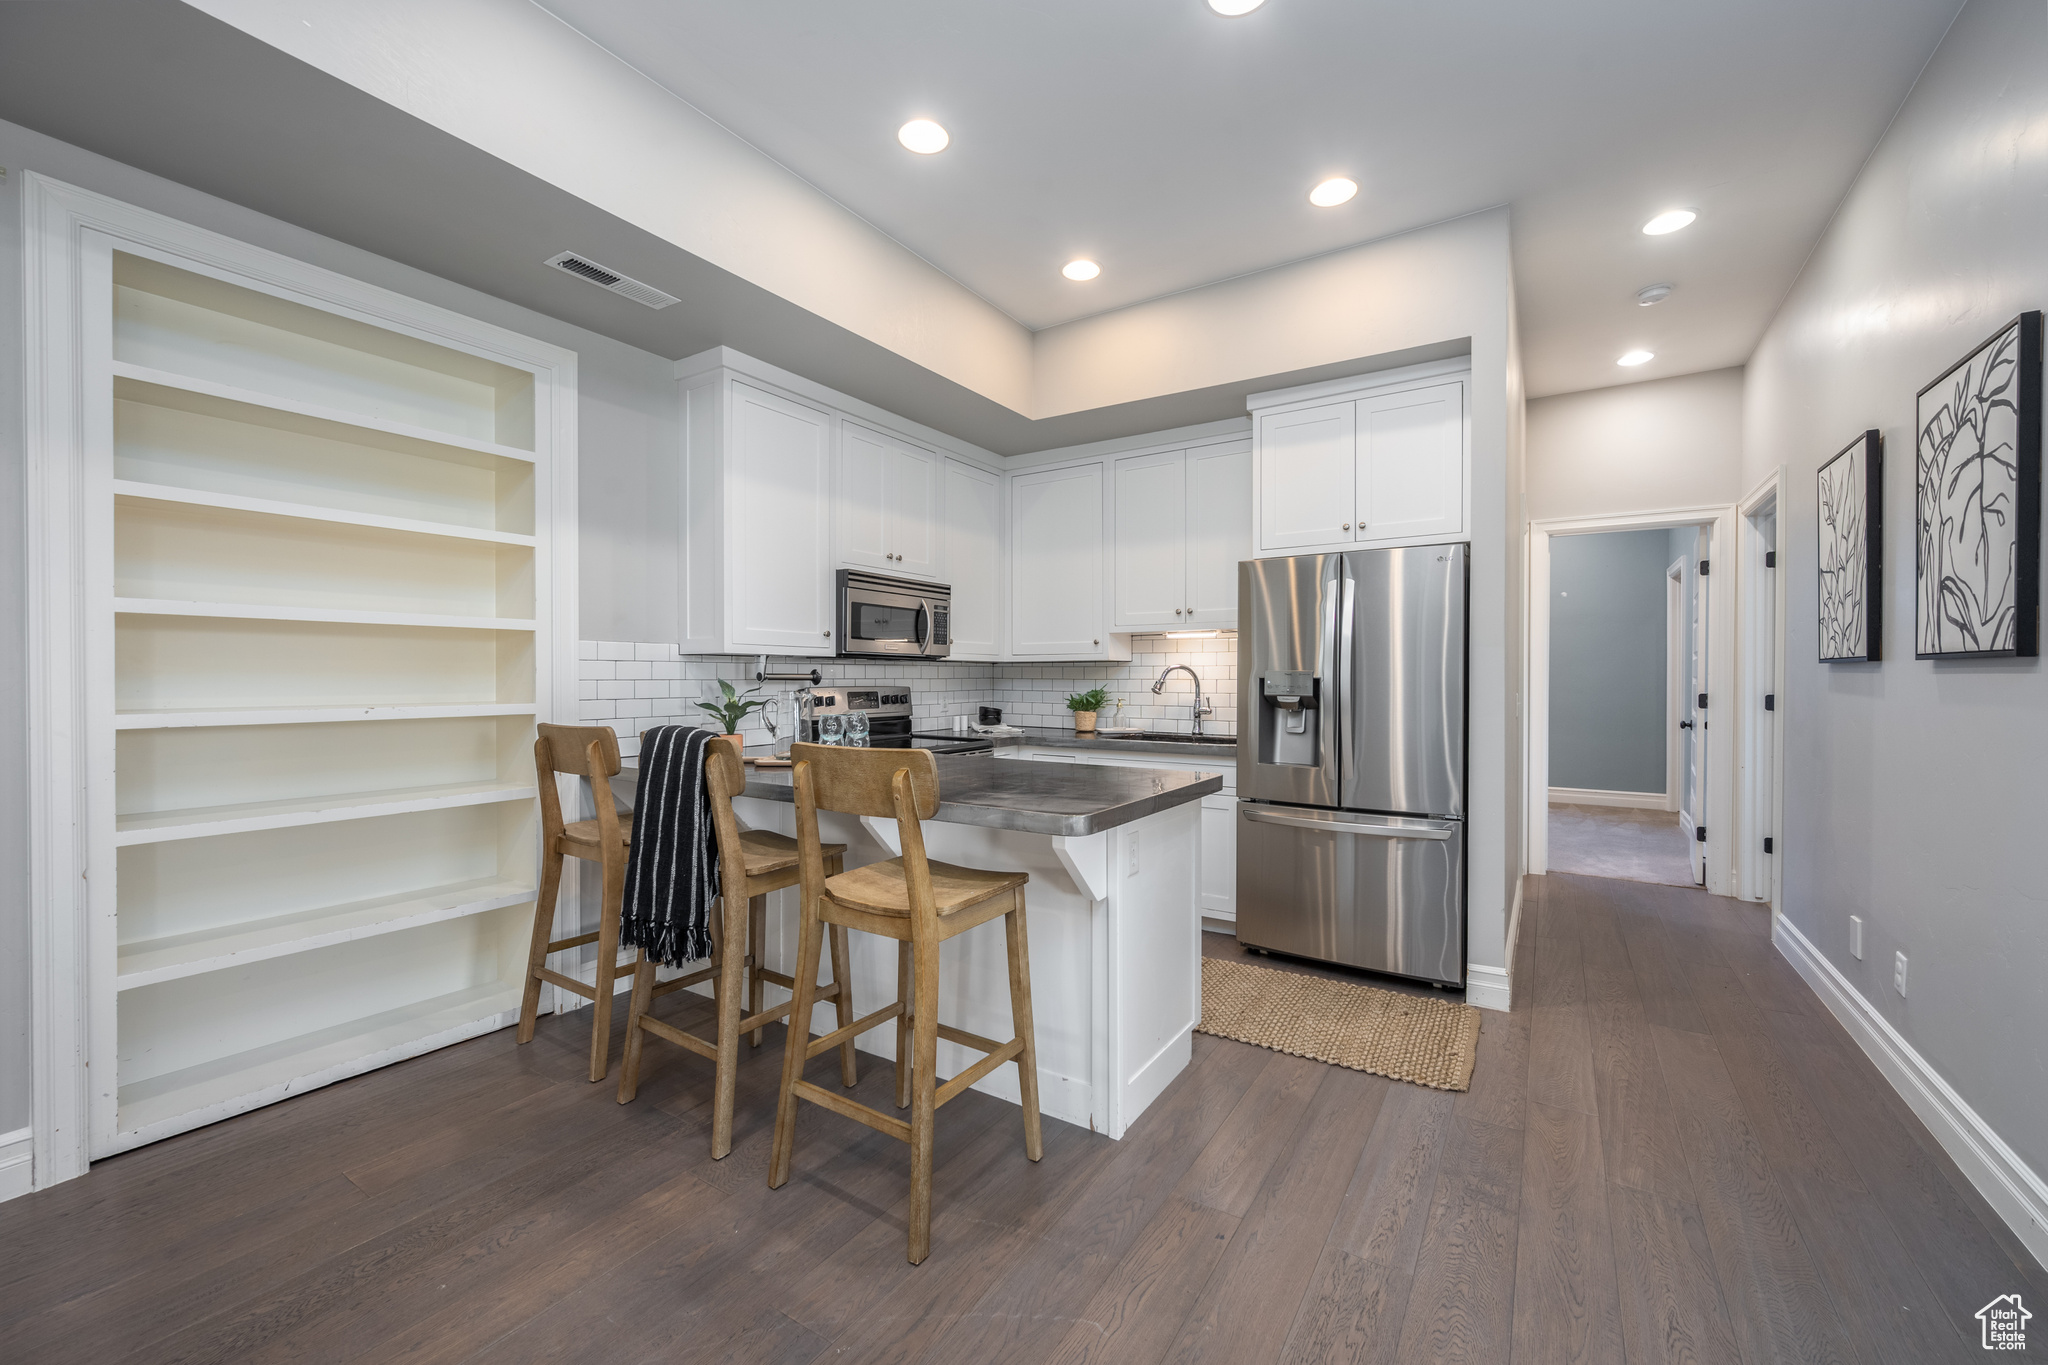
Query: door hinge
1770, 701
1767, 844
1700, 833
1703, 701
1770, 559
1703, 568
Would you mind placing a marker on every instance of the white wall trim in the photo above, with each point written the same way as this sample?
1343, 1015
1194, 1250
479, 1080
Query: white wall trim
1760, 640
17, 1163
1202, 434
1720, 521
1492, 988
2015, 1191
1358, 385
70, 915
1590, 796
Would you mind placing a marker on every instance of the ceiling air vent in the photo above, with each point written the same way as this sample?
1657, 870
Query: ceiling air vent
623, 285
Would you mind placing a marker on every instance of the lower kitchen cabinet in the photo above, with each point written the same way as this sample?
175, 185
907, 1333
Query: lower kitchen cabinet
1218, 881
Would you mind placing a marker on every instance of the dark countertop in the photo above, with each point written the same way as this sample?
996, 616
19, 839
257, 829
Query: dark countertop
1047, 737
1066, 799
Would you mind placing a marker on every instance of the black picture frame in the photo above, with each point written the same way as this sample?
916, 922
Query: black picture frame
1849, 531
1977, 501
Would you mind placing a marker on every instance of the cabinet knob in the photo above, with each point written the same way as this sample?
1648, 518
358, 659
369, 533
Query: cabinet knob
826, 633
1347, 525
1176, 611
1095, 642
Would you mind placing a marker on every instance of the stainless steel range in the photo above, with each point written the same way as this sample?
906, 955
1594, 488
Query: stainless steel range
888, 712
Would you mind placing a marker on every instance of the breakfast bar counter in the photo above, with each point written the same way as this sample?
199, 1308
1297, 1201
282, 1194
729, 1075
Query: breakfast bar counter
1112, 910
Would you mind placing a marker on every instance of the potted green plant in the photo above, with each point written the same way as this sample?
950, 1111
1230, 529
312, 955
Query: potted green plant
1084, 705
732, 707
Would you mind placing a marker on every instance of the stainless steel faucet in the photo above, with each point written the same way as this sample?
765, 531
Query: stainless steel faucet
1202, 706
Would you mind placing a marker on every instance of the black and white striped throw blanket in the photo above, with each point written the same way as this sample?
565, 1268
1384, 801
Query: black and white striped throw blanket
672, 868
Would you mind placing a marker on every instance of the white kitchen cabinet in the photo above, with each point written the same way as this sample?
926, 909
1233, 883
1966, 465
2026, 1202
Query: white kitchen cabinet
1059, 566
971, 518
1218, 881
1182, 522
757, 567
1337, 468
886, 500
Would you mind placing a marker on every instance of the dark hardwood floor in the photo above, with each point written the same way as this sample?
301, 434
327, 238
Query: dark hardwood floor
1670, 1152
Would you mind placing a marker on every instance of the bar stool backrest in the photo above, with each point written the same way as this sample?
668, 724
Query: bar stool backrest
875, 783
568, 749
725, 777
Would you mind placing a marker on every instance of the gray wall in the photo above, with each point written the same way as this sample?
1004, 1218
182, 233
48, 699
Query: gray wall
1607, 646
626, 434
1914, 790
1646, 447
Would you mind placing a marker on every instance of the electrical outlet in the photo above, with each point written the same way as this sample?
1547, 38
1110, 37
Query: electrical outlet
1131, 858
1899, 973
1856, 937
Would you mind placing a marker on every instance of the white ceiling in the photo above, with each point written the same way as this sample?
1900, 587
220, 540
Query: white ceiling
1177, 148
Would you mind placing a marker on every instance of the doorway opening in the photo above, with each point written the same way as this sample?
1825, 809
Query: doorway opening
1628, 758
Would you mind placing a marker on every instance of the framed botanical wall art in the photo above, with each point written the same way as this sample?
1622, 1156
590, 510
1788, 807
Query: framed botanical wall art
1851, 525
1977, 501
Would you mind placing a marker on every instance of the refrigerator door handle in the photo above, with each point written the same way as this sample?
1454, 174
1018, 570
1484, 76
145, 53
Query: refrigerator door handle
1436, 833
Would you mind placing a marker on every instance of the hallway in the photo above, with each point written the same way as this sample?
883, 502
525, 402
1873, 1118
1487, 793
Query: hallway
1617, 841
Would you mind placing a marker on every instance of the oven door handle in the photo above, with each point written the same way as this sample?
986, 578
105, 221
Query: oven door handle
924, 614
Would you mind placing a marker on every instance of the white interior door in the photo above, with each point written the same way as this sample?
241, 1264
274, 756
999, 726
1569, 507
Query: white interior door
1219, 532
1150, 541
1696, 738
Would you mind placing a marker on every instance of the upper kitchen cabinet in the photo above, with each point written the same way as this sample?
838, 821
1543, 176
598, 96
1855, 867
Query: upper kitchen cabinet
756, 562
971, 535
887, 502
1345, 464
1059, 565
1182, 521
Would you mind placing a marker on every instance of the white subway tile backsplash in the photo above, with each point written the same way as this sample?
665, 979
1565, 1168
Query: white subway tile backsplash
614, 649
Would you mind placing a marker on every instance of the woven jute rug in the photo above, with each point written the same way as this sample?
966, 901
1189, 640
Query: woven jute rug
1405, 1037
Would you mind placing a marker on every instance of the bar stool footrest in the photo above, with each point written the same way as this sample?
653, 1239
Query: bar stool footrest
859, 1113
852, 1030
1004, 1054
662, 1029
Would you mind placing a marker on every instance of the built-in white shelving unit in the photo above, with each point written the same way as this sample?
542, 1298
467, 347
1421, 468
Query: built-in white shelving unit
328, 612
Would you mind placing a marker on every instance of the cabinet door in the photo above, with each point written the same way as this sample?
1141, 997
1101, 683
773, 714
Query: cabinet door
1057, 563
1307, 476
1219, 532
1411, 464
778, 561
1219, 856
911, 504
972, 499
1150, 541
860, 506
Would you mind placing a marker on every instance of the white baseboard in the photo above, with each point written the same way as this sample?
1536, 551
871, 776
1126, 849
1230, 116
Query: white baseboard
2012, 1188
1588, 796
1486, 987
17, 1163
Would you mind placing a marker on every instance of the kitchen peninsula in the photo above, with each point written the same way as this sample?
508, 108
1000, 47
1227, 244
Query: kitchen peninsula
1114, 921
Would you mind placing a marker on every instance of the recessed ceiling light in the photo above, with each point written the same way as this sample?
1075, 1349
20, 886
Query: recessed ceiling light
1080, 270
923, 136
1652, 293
1233, 8
1333, 192
1634, 358
1669, 221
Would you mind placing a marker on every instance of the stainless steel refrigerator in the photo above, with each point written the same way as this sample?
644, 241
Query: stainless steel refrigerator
1351, 758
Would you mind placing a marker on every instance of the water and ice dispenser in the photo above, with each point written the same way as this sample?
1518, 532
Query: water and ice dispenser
1290, 719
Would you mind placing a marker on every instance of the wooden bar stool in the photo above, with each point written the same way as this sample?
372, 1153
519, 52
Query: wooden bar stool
590, 752
751, 863
920, 904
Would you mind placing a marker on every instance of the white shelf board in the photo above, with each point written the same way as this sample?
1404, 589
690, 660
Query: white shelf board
202, 822
242, 611
181, 719
231, 502
166, 959
180, 1100
229, 393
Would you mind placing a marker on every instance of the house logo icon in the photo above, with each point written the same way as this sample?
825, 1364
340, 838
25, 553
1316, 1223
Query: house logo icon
2005, 1323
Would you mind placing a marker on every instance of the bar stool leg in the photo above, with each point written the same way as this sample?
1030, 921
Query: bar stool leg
843, 978
903, 1067
607, 962
757, 947
543, 930
1020, 1023
923, 1105
643, 996
809, 934
732, 974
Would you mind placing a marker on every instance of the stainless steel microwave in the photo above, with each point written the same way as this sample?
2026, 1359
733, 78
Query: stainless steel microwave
895, 618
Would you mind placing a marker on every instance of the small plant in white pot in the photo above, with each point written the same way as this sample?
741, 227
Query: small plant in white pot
731, 708
1084, 705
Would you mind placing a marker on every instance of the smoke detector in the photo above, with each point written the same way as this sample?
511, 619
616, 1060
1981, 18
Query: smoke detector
583, 268
1652, 293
